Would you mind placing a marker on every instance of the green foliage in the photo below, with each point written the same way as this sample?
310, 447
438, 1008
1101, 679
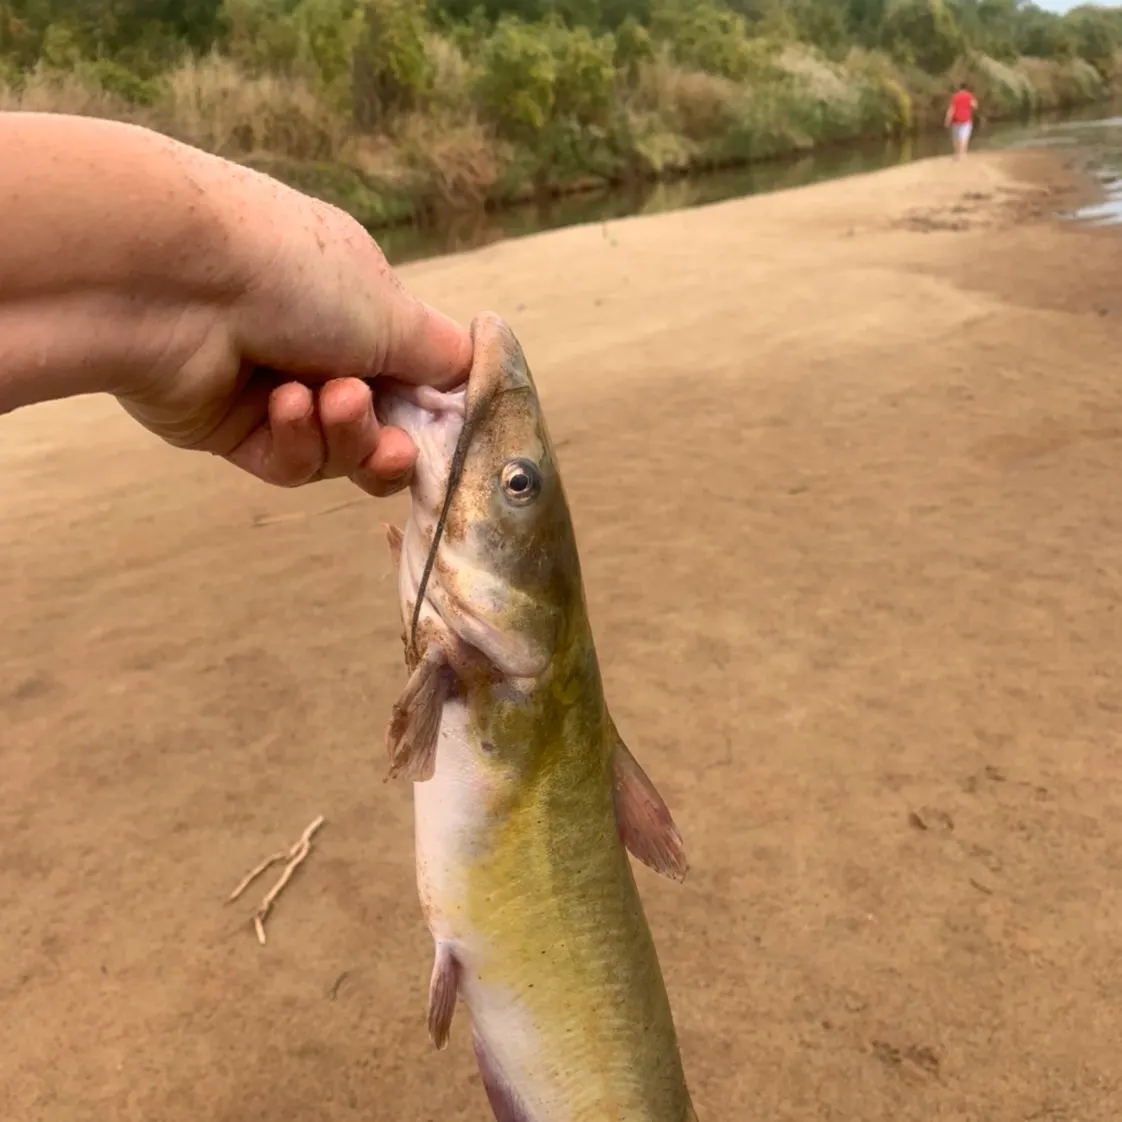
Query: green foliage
261, 35
533, 75
1045, 35
1096, 36
140, 34
328, 32
390, 68
825, 26
585, 74
389, 105
922, 32
120, 82
516, 79
633, 45
551, 89
705, 36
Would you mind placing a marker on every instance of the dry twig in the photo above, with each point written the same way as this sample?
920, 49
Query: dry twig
293, 858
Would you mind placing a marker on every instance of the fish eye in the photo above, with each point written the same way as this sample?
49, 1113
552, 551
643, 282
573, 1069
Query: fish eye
521, 481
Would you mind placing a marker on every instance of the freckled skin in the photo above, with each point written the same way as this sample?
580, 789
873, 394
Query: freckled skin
525, 875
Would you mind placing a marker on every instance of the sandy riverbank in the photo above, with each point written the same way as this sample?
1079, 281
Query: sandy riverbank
845, 463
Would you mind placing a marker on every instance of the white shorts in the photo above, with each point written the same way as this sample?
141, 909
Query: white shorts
961, 130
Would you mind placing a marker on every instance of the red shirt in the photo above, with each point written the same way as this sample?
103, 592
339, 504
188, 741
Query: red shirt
962, 107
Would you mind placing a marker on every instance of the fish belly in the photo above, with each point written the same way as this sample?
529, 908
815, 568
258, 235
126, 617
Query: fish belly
556, 970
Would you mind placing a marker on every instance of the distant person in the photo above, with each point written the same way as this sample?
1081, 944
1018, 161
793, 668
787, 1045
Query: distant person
960, 119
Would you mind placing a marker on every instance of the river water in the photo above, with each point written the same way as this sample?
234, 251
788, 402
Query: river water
1095, 131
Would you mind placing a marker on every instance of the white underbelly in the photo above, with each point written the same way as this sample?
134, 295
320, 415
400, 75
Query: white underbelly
449, 816
451, 821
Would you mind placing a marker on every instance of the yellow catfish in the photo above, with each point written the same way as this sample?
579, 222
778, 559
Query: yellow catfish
526, 799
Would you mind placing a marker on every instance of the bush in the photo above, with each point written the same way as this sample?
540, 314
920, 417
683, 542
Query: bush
515, 85
922, 32
633, 46
452, 168
584, 75
534, 76
120, 82
47, 90
261, 35
390, 69
213, 104
1095, 37
692, 103
705, 36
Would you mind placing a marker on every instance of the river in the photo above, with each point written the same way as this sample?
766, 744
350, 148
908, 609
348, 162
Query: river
1096, 130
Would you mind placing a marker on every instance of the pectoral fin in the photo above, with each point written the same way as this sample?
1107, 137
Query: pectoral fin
415, 723
645, 824
444, 987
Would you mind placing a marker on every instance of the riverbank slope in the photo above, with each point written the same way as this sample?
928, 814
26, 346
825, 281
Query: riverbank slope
844, 464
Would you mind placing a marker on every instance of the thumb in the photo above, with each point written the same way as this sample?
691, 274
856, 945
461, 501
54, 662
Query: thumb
424, 346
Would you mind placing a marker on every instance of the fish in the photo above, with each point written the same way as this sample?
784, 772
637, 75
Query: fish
527, 802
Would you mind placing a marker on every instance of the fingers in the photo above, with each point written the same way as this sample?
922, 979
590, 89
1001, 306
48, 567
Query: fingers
325, 434
287, 448
346, 411
379, 459
390, 468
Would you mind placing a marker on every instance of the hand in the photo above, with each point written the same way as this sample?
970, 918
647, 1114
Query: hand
275, 386
225, 311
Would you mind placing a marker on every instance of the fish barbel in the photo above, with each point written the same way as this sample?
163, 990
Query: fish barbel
526, 799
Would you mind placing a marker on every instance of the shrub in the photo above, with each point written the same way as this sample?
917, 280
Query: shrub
633, 46
692, 103
47, 90
705, 36
213, 104
452, 167
1095, 37
515, 83
923, 32
390, 69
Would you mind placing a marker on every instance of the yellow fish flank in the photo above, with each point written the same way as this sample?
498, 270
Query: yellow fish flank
526, 799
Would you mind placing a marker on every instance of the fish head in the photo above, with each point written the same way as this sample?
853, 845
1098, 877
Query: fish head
504, 577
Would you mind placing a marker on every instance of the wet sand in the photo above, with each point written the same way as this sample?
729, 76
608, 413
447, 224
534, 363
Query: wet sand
845, 465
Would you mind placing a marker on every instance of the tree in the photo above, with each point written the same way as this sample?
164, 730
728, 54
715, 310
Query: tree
923, 32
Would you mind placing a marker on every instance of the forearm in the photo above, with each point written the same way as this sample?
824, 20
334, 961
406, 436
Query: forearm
112, 242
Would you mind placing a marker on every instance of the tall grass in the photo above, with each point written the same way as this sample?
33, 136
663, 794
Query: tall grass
211, 103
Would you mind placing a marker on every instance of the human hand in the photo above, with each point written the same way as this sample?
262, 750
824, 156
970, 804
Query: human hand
276, 385
225, 311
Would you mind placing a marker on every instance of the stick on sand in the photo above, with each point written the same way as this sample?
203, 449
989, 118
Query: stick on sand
293, 859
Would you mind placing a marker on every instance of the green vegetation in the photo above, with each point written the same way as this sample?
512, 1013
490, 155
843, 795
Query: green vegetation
398, 108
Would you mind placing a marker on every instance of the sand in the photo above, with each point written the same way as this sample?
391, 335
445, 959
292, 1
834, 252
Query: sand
844, 463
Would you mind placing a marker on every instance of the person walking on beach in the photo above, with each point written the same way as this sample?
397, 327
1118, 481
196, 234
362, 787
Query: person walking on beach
960, 119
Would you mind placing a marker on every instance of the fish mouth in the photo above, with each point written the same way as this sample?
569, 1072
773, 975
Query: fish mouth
435, 577
497, 366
